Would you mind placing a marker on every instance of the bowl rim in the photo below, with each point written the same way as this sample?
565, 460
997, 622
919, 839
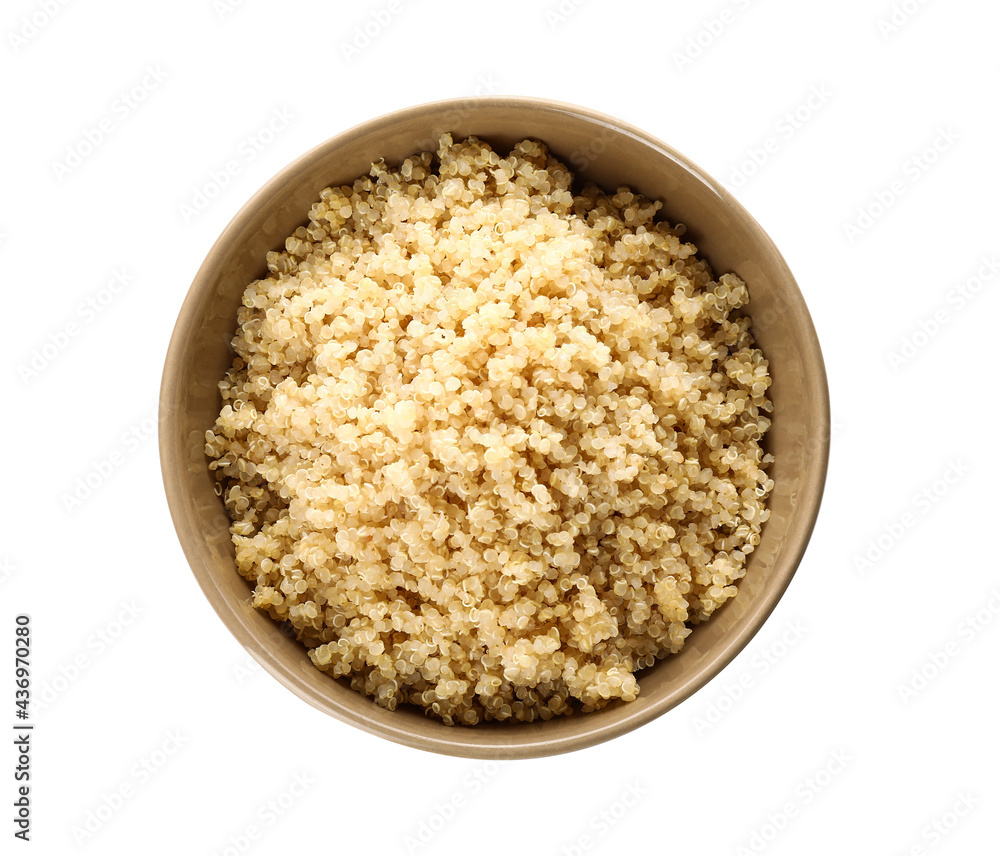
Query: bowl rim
814, 470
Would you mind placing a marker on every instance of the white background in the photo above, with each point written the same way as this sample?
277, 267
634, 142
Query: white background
129, 655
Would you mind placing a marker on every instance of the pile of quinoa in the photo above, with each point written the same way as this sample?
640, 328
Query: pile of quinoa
490, 447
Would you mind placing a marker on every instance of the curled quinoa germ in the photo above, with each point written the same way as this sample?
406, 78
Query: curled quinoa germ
490, 447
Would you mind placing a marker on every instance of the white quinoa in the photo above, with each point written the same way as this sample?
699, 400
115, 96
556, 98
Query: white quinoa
488, 447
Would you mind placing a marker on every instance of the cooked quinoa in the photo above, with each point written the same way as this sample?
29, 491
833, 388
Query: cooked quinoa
489, 447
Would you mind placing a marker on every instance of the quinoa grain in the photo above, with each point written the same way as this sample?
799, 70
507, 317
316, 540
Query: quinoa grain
490, 447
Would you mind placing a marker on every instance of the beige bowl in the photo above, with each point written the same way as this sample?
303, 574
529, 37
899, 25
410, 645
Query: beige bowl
607, 152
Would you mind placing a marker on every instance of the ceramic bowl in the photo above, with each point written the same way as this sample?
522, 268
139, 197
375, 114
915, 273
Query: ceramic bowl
602, 150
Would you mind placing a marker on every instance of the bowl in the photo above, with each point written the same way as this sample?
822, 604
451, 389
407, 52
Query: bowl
607, 152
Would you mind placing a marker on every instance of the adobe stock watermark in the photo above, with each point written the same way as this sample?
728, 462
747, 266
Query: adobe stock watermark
100, 472
584, 156
444, 810
955, 300
224, 8
267, 816
934, 664
735, 689
59, 339
921, 504
7, 569
246, 152
486, 85
803, 794
118, 797
248, 668
97, 643
933, 833
31, 25
559, 13
898, 17
708, 34
913, 169
607, 819
786, 127
95, 135
367, 32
